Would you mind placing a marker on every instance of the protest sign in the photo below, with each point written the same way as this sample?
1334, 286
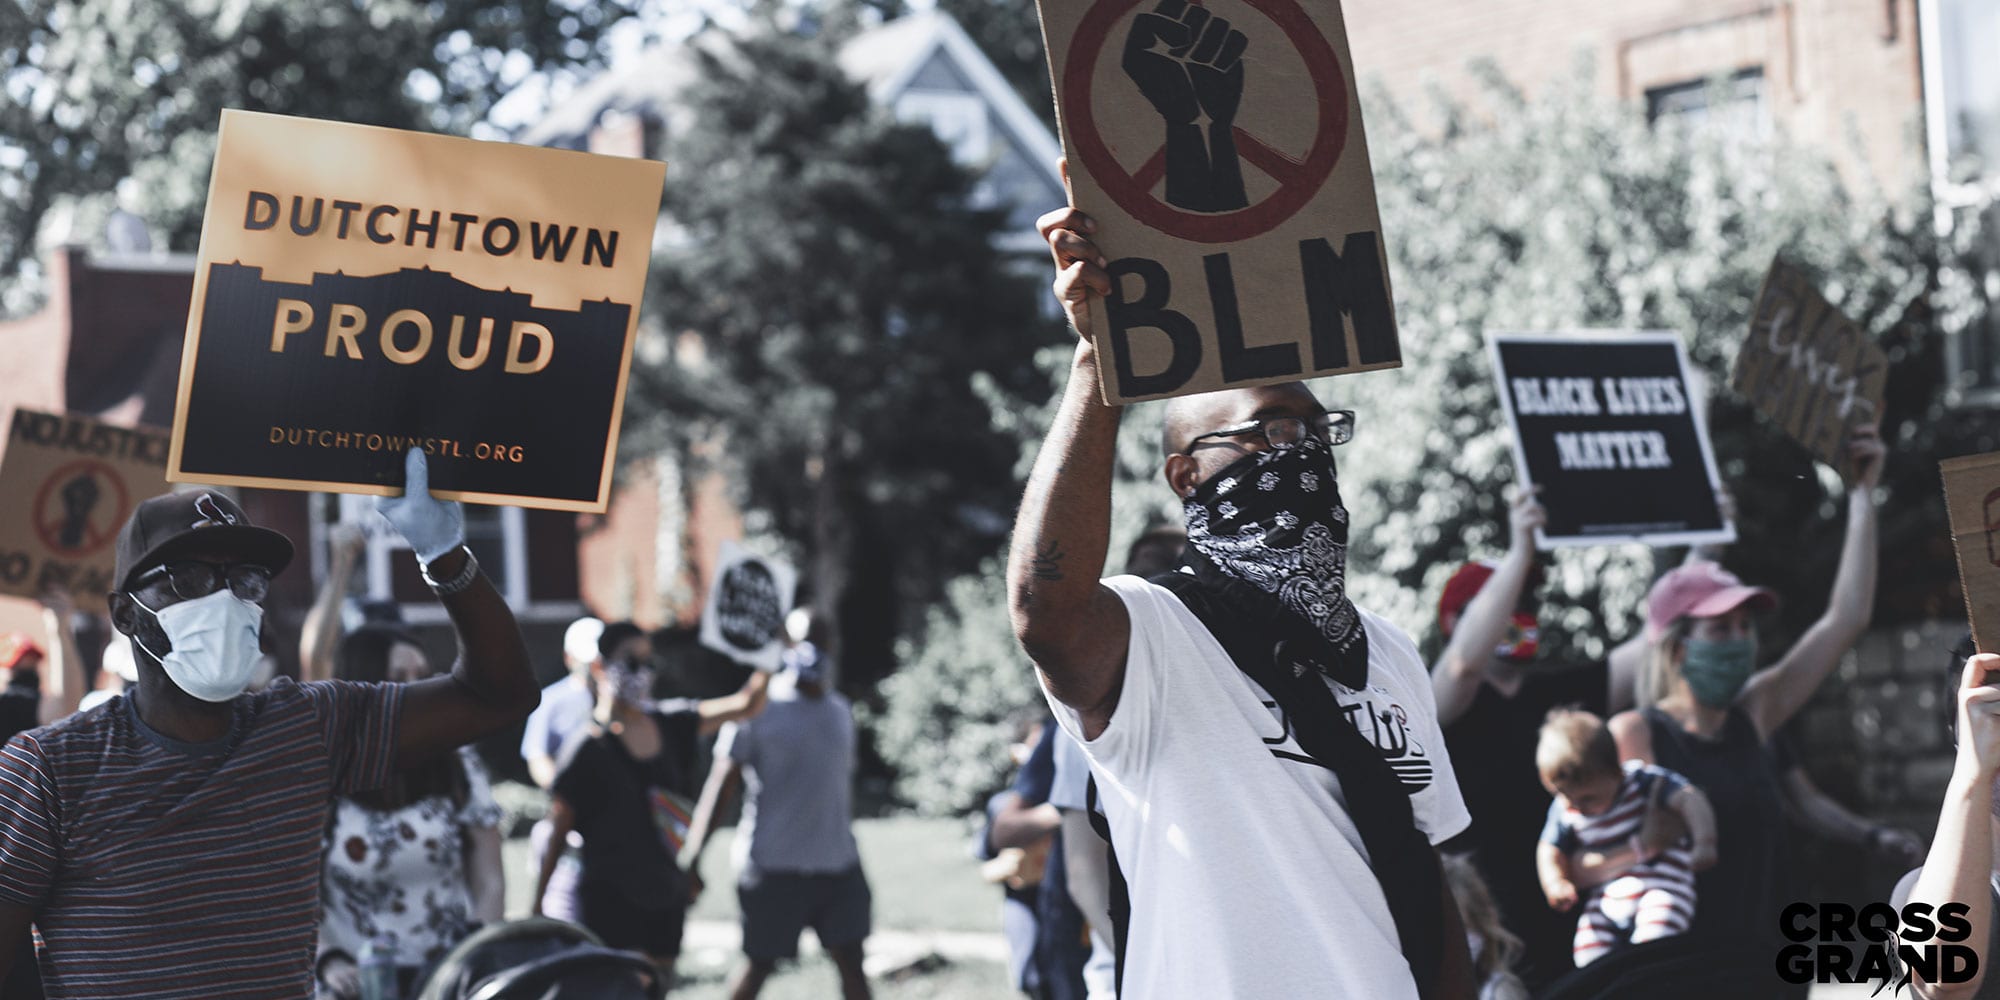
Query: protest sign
1810, 368
362, 291
1218, 147
747, 603
1609, 426
67, 484
1972, 498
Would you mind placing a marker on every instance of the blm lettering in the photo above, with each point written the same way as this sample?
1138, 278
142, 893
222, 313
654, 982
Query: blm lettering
1344, 290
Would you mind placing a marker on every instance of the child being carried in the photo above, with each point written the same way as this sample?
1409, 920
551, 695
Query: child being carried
1604, 836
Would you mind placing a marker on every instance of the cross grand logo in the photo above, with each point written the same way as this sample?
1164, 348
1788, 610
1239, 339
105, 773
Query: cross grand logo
1893, 944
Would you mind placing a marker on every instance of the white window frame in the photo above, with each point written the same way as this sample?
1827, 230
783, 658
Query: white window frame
1951, 197
385, 545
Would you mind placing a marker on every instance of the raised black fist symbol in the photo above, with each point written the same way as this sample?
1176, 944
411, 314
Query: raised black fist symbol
1189, 64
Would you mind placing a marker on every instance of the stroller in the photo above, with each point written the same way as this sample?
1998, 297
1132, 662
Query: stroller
542, 959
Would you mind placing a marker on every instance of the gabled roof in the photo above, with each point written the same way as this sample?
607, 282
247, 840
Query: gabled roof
885, 59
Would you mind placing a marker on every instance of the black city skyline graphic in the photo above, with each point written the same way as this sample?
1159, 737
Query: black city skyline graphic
558, 417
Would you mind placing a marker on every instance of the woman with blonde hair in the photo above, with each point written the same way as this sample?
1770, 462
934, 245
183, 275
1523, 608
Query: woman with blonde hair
1494, 948
1716, 712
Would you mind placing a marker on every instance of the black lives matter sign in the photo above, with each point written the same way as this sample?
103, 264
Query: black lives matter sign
1609, 428
364, 291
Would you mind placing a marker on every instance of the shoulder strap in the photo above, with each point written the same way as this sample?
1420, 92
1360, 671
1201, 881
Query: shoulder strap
1400, 855
1121, 898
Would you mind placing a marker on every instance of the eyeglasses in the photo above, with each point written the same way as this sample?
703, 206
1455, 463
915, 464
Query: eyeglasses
192, 579
1335, 427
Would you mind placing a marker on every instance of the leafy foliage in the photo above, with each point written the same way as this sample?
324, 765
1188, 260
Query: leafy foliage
1565, 212
97, 91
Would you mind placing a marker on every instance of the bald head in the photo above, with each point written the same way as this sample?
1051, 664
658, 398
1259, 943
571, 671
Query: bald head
1188, 416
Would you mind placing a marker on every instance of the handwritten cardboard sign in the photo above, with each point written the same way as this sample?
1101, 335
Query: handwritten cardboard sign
67, 484
747, 604
362, 291
1972, 497
1610, 426
1218, 146
1810, 368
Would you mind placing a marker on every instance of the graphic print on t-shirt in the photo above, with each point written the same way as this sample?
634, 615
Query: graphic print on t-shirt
1380, 720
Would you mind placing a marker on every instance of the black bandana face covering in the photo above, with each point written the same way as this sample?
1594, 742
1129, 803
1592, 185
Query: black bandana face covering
1274, 520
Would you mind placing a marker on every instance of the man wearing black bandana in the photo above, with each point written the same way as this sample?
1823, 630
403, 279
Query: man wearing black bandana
1266, 753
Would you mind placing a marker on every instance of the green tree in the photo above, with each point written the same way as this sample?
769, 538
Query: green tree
845, 295
98, 91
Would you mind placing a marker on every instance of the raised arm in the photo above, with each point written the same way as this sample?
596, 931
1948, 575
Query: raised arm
562, 819
63, 673
1073, 628
1461, 668
1776, 693
745, 703
1961, 862
492, 685
321, 631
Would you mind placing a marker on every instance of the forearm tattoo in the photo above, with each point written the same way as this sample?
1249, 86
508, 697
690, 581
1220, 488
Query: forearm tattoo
1048, 562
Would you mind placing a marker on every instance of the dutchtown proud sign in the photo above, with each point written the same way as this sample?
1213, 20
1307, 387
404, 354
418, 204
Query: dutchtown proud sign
362, 291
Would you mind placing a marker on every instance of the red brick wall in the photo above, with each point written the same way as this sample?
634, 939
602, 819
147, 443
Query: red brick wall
1836, 69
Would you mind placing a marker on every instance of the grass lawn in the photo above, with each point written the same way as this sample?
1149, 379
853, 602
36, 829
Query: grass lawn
920, 870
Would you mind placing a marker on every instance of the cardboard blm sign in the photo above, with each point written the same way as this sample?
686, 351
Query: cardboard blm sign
1218, 147
1810, 368
363, 291
1972, 498
67, 486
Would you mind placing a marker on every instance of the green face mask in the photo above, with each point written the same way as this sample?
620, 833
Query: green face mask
1717, 669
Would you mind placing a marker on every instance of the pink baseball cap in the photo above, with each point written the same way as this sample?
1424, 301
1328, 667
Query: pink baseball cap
1700, 590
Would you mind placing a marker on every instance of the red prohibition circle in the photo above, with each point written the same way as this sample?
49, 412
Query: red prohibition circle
1329, 88
48, 528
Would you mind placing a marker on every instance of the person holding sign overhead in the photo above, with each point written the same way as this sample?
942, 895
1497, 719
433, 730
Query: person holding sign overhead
166, 844
1266, 754
1713, 713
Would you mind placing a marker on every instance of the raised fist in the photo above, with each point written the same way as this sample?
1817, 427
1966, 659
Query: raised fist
1189, 64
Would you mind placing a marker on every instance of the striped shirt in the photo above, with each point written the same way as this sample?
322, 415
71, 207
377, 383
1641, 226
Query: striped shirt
1652, 899
167, 870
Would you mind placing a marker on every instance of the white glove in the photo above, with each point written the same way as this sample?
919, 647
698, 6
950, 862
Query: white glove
433, 527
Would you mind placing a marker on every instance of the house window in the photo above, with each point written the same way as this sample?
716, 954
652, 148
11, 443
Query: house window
1962, 118
497, 536
1734, 103
958, 119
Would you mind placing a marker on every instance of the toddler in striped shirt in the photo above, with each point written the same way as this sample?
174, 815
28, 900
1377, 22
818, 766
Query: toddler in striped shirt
1597, 844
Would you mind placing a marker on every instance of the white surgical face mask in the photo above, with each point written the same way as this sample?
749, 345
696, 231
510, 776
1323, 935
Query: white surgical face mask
214, 642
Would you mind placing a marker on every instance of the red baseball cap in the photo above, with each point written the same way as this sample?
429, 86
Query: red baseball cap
1700, 590
1463, 587
14, 646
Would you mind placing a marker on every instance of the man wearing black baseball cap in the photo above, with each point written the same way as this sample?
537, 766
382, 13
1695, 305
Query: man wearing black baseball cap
166, 844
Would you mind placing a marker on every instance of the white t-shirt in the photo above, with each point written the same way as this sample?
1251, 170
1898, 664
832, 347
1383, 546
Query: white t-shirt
1248, 878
